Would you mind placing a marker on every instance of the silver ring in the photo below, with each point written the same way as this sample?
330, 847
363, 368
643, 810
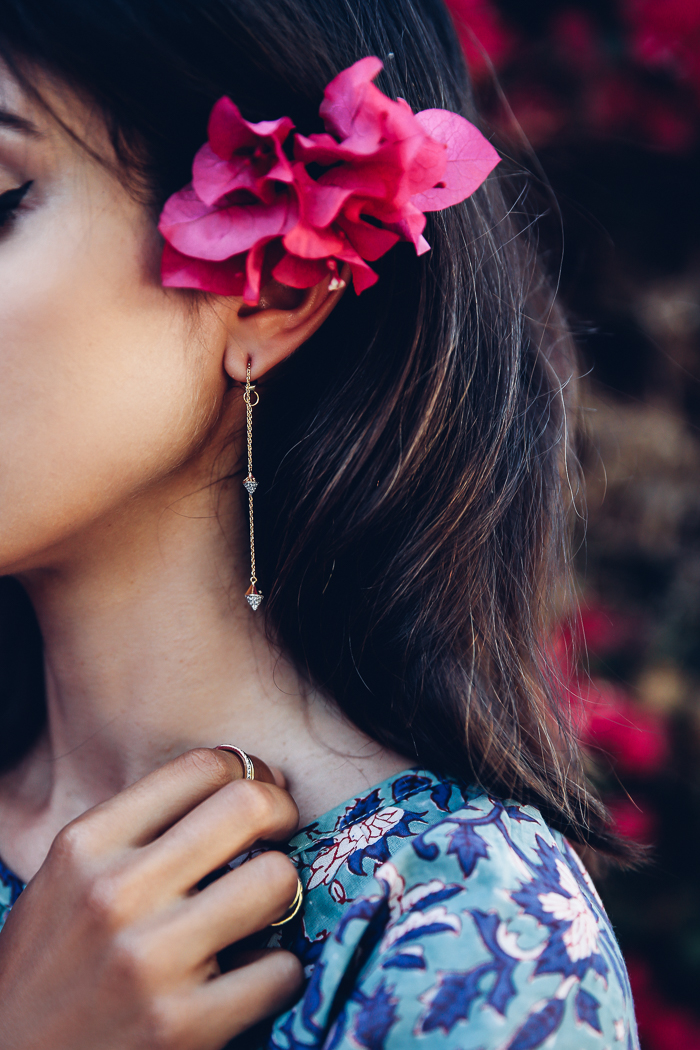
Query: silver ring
244, 759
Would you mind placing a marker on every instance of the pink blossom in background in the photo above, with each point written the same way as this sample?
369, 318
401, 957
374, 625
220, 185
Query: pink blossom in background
613, 724
577, 40
601, 629
539, 114
481, 29
662, 1025
607, 719
595, 632
666, 33
617, 104
633, 820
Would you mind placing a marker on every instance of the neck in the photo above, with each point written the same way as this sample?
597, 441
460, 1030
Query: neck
151, 649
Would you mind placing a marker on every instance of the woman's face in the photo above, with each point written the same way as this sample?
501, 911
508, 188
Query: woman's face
110, 385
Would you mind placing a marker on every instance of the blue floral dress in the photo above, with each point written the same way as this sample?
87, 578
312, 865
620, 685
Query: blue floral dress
437, 915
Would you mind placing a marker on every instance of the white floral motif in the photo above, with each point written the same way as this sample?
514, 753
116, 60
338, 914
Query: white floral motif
396, 884
581, 938
355, 837
399, 901
438, 915
508, 942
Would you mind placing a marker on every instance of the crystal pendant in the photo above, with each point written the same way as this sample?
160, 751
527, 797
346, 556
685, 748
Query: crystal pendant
250, 484
253, 597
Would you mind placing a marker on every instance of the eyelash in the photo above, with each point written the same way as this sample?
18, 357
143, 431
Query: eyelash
10, 202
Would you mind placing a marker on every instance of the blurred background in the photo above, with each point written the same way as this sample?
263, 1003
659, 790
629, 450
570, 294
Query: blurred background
607, 94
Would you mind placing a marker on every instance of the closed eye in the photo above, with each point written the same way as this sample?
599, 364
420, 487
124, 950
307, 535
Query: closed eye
10, 201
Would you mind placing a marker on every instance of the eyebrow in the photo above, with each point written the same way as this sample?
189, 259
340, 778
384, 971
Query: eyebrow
13, 122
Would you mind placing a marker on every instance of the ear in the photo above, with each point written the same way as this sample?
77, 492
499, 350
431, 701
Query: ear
285, 318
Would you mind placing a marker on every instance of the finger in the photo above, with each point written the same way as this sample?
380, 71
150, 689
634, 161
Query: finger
235, 960
230, 1004
235, 906
143, 811
264, 772
278, 776
222, 827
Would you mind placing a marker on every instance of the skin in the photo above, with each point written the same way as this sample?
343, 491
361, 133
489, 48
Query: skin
118, 426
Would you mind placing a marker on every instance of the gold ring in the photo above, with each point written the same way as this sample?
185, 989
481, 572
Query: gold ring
245, 760
293, 907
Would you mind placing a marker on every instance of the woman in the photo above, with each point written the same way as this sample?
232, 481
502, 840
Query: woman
409, 444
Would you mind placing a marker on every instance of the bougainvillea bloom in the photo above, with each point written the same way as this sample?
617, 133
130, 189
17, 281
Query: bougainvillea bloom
239, 200
612, 724
484, 37
373, 174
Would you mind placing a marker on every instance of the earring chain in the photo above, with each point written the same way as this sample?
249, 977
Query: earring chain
253, 596
249, 405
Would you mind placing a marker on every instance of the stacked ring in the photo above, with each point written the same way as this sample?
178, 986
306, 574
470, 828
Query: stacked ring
249, 774
293, 907
245, 760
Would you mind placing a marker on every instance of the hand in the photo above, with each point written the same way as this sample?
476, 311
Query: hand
111, 947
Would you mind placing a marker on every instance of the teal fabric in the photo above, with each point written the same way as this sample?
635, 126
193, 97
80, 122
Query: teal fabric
10, 889
437, 915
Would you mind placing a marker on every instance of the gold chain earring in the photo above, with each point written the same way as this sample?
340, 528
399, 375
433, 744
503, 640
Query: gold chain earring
253, 596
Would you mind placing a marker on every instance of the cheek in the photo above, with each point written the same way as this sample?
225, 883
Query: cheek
102, 390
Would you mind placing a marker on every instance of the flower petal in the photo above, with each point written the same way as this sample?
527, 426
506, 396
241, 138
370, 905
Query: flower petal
300, 273
183, 206
219, 233
221, 278
310, 243
363, 276
254, 263
350, 104
213, 178
319, 202
371, 242
409, 226
228, 131
470, 159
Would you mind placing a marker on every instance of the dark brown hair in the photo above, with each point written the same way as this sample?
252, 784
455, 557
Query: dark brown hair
412, 455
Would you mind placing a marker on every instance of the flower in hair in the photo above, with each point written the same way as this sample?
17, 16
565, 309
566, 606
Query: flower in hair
266, 201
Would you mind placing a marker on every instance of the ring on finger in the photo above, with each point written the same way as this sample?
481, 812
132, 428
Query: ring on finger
293, 907
245, 760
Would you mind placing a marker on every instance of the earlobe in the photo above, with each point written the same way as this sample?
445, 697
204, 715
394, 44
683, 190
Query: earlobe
286, 317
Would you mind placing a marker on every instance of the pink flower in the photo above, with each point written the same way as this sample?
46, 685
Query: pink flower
632, 820
662, 1025
381, 167
614, 724
574, 33
605, 629
384, 163
480, 31
240, 199
666, 33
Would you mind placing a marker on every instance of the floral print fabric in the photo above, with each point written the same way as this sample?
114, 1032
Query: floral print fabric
10, 889
437, 915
